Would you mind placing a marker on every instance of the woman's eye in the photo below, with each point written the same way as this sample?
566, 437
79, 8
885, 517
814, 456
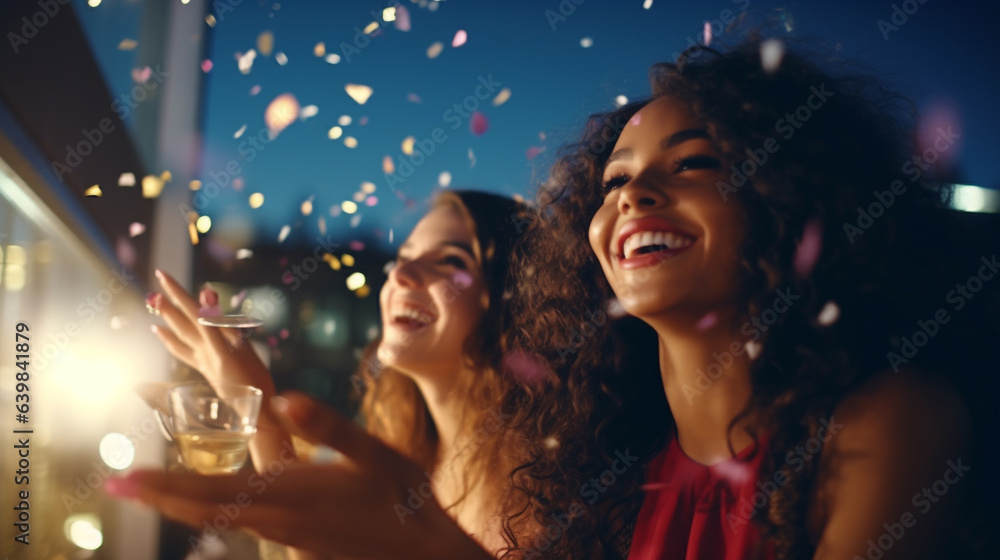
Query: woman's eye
454, 261
613, 183
697, 162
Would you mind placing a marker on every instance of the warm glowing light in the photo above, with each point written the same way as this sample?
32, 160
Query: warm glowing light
363, 291
621, 100
307, 208
371, 27
389, 14
355, 281
320, 49
193, 233
126, 180
335, 133
281, 112
117, 451
351, 142
344, 120
93, 3
358, 92
152, 186
94, 191
367, 187
347, 259
970, 198
256, 200
349, 207
195, 185
204, 224
408, 145
84, 530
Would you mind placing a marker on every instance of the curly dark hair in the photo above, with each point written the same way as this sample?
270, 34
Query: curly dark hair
605, 391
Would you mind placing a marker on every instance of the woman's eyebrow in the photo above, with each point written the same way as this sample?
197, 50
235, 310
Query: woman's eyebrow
458, 244
683, 136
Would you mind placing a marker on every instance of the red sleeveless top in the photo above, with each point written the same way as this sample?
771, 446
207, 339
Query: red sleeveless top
697, 512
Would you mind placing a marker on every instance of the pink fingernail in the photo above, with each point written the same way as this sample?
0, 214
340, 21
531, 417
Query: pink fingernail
122, 487
279, 404
153, 301
159, 274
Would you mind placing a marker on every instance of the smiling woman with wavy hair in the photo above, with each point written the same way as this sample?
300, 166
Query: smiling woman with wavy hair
763, 372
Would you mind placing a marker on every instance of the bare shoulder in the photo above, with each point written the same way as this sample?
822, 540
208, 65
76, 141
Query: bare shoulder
903, 444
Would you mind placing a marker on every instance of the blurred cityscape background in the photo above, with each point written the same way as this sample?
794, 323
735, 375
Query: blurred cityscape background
265, 145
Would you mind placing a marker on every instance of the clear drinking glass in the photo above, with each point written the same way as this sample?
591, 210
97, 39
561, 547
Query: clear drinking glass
212, 424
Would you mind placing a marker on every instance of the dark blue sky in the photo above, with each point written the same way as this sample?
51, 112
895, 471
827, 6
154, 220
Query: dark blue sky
945, 53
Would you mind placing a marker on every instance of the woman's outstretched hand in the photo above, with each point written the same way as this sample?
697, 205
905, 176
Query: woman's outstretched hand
221, 355
360, 506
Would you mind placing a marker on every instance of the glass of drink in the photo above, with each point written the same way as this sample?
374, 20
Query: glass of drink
213, 424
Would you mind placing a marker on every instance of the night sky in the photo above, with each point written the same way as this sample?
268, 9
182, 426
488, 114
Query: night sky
944, 57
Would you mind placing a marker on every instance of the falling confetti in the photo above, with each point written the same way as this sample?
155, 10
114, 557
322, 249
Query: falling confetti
347, 259
210, 20
166, 176
355, 220
615, 308
356, 246
368, 187
435, 49
647, 4
349, 206
586, 42
413, 98
472, 158
809, 247
501, 97
635, 120
371, 200
359, 196
351, 142
321, 224
829, 314
389, 14
707, 322
402, 19
256, 200
127, 44
390, 237
387, 166
460, 38
407, 145
195, 185
136, 229
283, 234
238, 184
308, 111
242, 254
265, 43
344, 120
237, 300
335, 133
753, 349
206, 66
444, 179
254, 90
371, 28
126, 180
621, 100
152, 186
307, 207
245, 62
125, 252
281, 58
94, 191
708, 33
333, 58
281, 112
335, 211
533, 152
771, 53
320, 49
478, 124
140, 75
358, 92
193, 233
551, 443
240, 132
523, 367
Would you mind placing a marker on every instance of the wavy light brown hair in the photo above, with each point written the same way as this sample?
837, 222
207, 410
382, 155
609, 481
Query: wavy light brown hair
394, 408
605, 393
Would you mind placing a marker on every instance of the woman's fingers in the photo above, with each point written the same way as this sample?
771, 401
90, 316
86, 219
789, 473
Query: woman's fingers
179, 296
179, 323
175, 346
316, 423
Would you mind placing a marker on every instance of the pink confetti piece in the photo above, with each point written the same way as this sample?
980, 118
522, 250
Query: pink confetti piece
478, 124
283, 334
125, 252
460, 38
237, 300
136, 229
413, 98
707, 322
753, 349
462, 279
363, 121
140, 75
771, 53
708, 33
809, 247
206, 66
371, 200
356, 245
533, 152
635, 120
254, 90
272, 341
524, 367
829, 314
402, 22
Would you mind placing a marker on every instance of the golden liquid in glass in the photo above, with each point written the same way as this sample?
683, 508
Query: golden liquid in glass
213, 451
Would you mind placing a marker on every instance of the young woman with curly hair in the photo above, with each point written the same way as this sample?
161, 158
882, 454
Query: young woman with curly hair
771, 389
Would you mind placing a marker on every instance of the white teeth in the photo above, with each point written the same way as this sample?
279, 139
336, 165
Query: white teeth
639, 240
414, 314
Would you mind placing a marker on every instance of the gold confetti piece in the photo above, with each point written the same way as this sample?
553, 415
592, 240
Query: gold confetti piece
358, 92
240, 132
307, 208
320, 49
460, 38
435, 49
389, 14
355, 281
358, 196
265, 43
283, 234
349, 207
501, 97
408, 145
335, 132
210, 20
282, 112
256, 200
308, 111
351, 142
195, 185
192, 216
347, 259
332, 260
368, 187
444, 179
363, 291
93, 3
387, 165
371, 28
94, 191
281, 58
193, 233
152, 186
166, 177
127, 44
204, 224
126, 180
344, 120
321, 223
